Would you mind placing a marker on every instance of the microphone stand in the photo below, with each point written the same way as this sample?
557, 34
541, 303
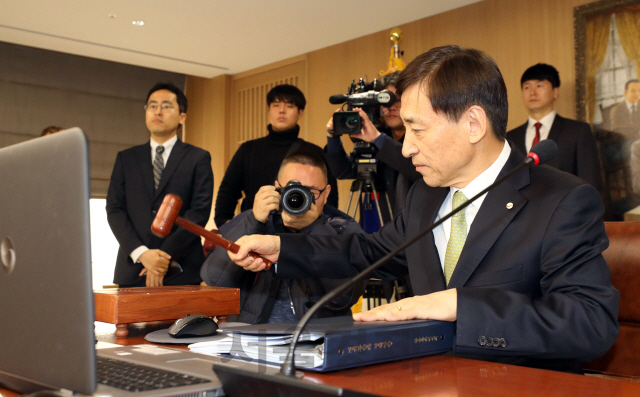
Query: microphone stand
288, 366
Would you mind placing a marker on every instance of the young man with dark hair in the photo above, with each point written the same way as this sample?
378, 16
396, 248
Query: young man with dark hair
577, 149
256, 162
142, 176
520, 269
265, 299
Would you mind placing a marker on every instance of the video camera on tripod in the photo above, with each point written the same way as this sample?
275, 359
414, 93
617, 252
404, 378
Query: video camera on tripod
362, 95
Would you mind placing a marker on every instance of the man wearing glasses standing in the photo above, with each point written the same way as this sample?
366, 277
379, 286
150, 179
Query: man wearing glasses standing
264, 299
142, 176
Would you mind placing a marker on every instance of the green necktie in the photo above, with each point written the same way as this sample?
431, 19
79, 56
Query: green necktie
457, 237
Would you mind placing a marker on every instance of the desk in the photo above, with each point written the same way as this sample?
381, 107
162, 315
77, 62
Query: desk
437, 375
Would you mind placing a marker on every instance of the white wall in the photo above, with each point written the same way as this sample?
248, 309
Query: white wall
104, 246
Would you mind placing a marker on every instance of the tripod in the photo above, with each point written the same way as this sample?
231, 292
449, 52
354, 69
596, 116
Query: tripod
364, 184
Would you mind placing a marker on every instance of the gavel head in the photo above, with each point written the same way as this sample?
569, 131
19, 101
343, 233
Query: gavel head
166, 215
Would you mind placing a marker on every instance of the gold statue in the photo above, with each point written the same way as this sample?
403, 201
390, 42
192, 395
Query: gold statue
395, 62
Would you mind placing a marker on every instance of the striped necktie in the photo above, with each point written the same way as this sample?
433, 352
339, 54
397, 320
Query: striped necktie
457, 238
158, 166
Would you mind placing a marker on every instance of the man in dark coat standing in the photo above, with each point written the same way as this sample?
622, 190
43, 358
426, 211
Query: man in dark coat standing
142, 176
577, 150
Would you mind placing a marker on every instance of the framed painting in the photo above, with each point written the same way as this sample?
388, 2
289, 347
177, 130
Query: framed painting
607, 51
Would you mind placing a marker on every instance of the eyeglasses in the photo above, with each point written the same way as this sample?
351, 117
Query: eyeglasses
152, 107
316, 192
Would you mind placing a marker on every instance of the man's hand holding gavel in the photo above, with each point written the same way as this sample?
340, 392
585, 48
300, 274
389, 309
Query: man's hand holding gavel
156, 264
167, 217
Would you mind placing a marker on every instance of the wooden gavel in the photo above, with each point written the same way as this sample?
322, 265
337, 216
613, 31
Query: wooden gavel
167, 216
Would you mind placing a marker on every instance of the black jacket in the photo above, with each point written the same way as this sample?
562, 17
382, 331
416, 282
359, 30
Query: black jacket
258, 290
256, 164
132, 203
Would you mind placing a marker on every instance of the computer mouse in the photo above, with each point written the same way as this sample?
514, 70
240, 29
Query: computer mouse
193, 325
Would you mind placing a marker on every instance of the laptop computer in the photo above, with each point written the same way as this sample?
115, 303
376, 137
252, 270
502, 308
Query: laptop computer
47, 318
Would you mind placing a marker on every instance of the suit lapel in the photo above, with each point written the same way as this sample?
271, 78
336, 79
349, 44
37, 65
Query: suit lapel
428, 248
556, 128
143, 158
518, 137
177, 153
491, 221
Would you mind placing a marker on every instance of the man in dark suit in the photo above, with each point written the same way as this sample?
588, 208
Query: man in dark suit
142, 176
577, 150
520, 269
625, 116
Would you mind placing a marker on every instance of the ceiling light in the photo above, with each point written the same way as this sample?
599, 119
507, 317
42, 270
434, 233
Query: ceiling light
112, 16
138, 23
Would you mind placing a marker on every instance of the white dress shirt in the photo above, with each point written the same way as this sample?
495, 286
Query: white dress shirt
546, 122
168, 146
441, 233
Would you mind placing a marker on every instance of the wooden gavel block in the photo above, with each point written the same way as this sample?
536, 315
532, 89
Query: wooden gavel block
167, 216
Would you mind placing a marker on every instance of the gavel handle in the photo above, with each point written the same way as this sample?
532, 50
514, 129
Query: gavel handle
217, 239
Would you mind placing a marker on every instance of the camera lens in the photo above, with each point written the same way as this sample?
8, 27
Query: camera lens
296, 200
346, 123
352, 123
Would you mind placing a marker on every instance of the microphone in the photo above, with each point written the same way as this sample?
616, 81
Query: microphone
541, 153
338, 99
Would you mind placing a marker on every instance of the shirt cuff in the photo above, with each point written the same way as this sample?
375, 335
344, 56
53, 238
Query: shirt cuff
135, 255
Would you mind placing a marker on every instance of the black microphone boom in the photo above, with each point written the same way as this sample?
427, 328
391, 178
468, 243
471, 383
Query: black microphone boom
542, 152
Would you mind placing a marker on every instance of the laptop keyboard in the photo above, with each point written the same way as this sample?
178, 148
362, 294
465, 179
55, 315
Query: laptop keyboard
139, 378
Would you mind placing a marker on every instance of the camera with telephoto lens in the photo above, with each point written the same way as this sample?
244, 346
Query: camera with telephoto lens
295, 199
362, 95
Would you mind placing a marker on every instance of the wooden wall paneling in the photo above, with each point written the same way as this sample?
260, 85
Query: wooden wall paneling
516, 33
207, 124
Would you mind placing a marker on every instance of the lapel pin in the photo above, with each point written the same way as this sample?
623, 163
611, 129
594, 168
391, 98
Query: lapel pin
509, 206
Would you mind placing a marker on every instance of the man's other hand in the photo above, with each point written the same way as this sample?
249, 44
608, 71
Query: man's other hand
442, 305
369, 132
266, 200
267, 246
152, 280
155, 262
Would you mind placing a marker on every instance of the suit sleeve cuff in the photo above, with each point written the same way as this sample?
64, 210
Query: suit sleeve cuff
135, 255
379, 141
334, 145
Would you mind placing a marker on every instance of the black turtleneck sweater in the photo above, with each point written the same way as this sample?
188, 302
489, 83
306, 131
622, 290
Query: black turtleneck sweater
256, 164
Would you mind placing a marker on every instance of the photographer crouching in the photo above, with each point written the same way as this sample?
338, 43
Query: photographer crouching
395, 173
296, 204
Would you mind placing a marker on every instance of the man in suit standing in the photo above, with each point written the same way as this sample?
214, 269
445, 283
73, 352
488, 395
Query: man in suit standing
625, 116
520, 269
142, 176
577, 150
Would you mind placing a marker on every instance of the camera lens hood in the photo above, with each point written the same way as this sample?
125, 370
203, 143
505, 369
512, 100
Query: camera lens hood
296, 199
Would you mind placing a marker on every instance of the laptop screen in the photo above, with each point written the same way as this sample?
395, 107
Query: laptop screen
46, 320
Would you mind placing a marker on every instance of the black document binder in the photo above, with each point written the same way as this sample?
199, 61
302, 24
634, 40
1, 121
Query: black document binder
349, 344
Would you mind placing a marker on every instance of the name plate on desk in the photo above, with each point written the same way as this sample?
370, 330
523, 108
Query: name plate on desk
133, 305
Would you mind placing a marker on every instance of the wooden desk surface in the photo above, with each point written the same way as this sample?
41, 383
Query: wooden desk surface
437, 375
